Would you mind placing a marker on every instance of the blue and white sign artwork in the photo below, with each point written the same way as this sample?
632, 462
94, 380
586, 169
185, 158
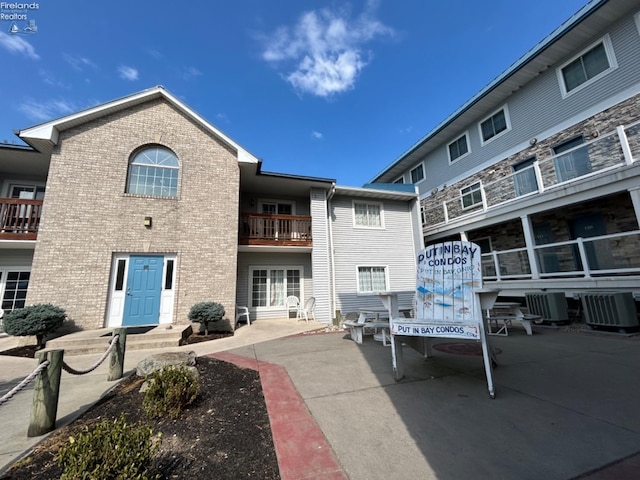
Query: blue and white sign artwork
445, 304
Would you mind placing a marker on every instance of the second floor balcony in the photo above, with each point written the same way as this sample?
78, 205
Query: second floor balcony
19, 218
275, 230
604, 153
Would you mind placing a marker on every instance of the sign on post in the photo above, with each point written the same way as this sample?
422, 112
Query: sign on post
447, 301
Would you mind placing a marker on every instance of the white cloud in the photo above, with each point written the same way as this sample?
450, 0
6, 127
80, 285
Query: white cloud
191, 72
317, 135
18, 45
155, 53
43, 111
78, 62
128, 73
48, 78
326, 49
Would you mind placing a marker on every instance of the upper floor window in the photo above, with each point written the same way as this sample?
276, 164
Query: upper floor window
154, 171
587, 66
399, 180
471, 195
458, 148
417, 174
367, 215
494, 125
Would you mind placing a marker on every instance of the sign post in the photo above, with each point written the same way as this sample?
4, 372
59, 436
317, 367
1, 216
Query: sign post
448, 303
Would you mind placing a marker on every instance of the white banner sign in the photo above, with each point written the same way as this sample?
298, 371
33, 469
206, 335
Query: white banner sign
470, 332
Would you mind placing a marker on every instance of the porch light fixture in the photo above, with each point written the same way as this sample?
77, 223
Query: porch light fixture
148, 222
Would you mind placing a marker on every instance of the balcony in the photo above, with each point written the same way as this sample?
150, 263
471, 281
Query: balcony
275, 230
606, 152
602, 256
19, 218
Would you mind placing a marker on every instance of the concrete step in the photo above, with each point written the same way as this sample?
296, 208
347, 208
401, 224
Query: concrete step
97, 341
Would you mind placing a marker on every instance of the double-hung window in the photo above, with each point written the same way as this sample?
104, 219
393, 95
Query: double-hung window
417, 174
458, 148
14, 284
270, 286
372, 279
367, 215
525, 177
471, 195
494, 125
595, 61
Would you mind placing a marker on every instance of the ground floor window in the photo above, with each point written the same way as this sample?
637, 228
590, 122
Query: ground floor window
270, 286
13, 286
372, 279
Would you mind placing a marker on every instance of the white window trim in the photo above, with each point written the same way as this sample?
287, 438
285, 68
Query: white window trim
20, 183
424, 176
507, 119
466, 135
3, 277
399, 180
269, 268
367, 227
611, 58
637, 17
368, 265
474, 205
262, 201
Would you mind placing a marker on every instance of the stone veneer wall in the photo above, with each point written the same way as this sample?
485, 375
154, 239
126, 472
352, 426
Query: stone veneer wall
87, 216
624, 113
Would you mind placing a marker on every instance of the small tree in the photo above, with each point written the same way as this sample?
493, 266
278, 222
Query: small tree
38, 320
205, 312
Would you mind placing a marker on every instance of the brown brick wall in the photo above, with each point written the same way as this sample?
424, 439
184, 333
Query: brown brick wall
87, 216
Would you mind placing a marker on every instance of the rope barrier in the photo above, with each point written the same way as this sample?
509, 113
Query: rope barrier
73, 371
9, 395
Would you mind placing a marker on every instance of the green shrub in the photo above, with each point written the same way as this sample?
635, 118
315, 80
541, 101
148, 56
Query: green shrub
170, 390
109, 450
38, 320
205, 312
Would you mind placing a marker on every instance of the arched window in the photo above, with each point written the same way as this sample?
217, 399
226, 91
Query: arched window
154, 171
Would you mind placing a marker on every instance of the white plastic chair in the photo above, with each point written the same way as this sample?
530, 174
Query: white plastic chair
293, 305
242, 312
308, 310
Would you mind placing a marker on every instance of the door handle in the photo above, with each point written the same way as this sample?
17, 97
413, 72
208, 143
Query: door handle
128, 291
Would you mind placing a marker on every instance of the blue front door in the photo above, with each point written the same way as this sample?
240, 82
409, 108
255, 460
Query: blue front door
144, 282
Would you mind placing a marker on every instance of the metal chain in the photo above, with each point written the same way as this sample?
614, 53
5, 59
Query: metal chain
6, 397
73, 371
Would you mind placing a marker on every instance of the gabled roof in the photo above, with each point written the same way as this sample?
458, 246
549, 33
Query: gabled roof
590, 20
45, 136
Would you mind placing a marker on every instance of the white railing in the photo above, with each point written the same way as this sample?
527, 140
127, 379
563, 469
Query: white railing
605, 152
615, 254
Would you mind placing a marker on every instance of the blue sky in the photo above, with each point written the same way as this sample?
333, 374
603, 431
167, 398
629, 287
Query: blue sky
328, 89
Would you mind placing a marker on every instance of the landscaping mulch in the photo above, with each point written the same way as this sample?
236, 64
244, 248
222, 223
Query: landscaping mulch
224, 434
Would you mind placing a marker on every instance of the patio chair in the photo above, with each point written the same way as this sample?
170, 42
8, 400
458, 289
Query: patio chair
308, 310
242, 312
293, 305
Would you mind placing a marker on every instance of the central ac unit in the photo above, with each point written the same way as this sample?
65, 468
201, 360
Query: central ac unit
610, 309
551, 306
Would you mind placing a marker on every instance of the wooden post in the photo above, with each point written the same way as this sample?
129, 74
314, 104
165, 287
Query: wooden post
45, 394
116, 360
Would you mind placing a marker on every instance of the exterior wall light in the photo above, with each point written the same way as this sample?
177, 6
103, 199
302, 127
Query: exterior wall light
148, 222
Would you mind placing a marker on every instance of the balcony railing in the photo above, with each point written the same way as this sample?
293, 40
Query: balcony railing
611, 255
281, 230
606, 152
19, 218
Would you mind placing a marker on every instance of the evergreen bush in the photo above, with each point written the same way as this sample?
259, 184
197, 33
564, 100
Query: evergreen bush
38, 320
205, 312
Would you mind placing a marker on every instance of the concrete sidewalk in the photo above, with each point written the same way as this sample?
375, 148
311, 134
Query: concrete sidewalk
567, 405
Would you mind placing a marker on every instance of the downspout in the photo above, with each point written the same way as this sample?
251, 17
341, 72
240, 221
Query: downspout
332, 301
